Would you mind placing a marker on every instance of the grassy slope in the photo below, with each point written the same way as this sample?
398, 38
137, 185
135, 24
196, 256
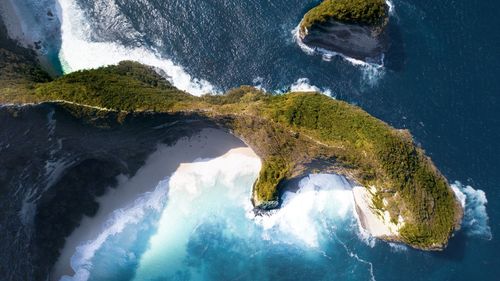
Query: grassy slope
365, 12
384, 157
126, 87
289, 132
369, 151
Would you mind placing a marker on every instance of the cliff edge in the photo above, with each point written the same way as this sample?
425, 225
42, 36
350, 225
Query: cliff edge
353, 28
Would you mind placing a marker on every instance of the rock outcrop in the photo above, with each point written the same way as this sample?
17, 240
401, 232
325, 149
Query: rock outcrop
352, 30
351, 40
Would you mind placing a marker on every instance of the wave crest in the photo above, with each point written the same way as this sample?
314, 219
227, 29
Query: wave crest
475, 222
303, 213
78, 52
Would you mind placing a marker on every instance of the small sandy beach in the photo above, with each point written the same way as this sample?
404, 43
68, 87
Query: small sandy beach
208, 143
368, 219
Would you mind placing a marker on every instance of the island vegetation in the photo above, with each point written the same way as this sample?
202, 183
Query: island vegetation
292, 133
363, 12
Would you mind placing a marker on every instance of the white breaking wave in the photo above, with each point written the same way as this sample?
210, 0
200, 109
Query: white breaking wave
319, 196
395, 247
475, 222
81, 262
305, 215
198, 192
327, 54
372, 72
304, 85
392, 10
79, 52
257, 83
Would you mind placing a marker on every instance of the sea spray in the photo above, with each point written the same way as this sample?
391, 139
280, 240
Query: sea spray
204, 196
319, 197
150, 203
475, 222
209, 222
79, 51
303, 85
372, 72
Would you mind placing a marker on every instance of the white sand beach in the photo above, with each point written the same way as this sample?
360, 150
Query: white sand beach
377, 225
208, 143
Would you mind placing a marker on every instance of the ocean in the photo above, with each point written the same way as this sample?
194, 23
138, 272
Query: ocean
439, 80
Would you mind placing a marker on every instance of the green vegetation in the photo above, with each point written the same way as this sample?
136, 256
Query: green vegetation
124, 87
273, 171
291, 133
364, 12
383, 157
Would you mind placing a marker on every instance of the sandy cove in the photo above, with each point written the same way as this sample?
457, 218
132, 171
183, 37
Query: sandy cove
377, 225
159, 165
168, 159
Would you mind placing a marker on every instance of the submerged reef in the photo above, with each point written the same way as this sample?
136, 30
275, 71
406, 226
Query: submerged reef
353, 28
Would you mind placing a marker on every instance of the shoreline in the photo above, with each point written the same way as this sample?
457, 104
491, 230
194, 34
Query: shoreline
160, 165
17, 30
329, 54
368, 220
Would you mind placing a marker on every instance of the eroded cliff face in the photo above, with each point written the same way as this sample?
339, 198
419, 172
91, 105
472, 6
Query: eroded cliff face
364, 43
56, 160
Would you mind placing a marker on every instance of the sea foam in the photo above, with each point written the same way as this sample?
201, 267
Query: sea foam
371, 72
304, 85
203, 192
475, 222
302, 214
81, 261
78, 51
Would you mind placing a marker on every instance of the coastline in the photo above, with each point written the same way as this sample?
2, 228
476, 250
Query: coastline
329, 54
18, 31
159, 165
368, 219
375, 60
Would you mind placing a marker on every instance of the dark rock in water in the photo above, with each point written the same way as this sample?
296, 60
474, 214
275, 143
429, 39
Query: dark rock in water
356, 41
267, 205
38, 45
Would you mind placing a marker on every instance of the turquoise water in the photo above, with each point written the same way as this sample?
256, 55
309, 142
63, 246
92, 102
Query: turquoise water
439, 80
199, 225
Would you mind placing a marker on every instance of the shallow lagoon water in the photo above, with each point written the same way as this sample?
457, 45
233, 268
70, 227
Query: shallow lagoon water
439, 80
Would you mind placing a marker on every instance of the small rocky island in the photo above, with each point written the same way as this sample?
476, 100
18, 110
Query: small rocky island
352, 28
399, 194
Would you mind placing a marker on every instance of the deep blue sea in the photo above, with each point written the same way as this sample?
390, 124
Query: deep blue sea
440, 80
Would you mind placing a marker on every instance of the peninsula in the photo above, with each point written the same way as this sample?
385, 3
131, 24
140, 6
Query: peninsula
293, 134
399, 189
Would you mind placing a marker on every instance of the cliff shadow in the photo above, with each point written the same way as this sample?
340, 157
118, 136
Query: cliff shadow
89, 152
